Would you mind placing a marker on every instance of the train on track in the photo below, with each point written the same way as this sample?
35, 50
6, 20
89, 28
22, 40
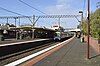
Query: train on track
62, 35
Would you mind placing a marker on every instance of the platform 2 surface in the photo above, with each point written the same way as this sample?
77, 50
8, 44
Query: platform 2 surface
72, 54
14, 41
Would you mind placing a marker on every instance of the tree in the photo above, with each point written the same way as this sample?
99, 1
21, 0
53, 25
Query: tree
95, 24
84, 27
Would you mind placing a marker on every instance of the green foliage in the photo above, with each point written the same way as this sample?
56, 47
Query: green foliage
94, 24
84, 27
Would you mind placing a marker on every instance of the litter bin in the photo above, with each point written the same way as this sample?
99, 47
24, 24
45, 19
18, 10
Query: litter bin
82, 39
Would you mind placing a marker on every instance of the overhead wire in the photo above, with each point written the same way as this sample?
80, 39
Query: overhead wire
9, 11
84, 3
14, 13
83, 9
32, 7
98, 4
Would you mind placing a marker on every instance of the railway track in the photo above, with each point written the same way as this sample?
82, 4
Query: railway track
15, 56
21, 54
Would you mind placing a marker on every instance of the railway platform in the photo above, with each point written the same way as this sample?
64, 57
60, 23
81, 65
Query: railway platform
71, 54
13, 41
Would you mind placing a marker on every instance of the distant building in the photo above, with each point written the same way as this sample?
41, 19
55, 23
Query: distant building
58, 28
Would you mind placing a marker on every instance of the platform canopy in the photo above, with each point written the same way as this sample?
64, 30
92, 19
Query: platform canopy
75, 30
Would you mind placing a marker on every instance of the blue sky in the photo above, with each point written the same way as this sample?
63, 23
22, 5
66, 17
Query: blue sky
48, 7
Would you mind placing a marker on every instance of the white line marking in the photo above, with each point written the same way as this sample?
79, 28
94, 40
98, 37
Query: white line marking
23, 42
35, 54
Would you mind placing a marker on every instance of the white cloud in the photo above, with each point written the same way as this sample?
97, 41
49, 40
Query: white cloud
61, 7
57, 9
64, 2
64, 7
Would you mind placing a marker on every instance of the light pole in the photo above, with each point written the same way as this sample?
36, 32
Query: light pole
82, 38
81, 20
88, 27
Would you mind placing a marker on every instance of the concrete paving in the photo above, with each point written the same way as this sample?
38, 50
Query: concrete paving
72, 54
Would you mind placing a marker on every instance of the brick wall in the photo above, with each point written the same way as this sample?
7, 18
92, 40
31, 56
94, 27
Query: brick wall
94, 44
